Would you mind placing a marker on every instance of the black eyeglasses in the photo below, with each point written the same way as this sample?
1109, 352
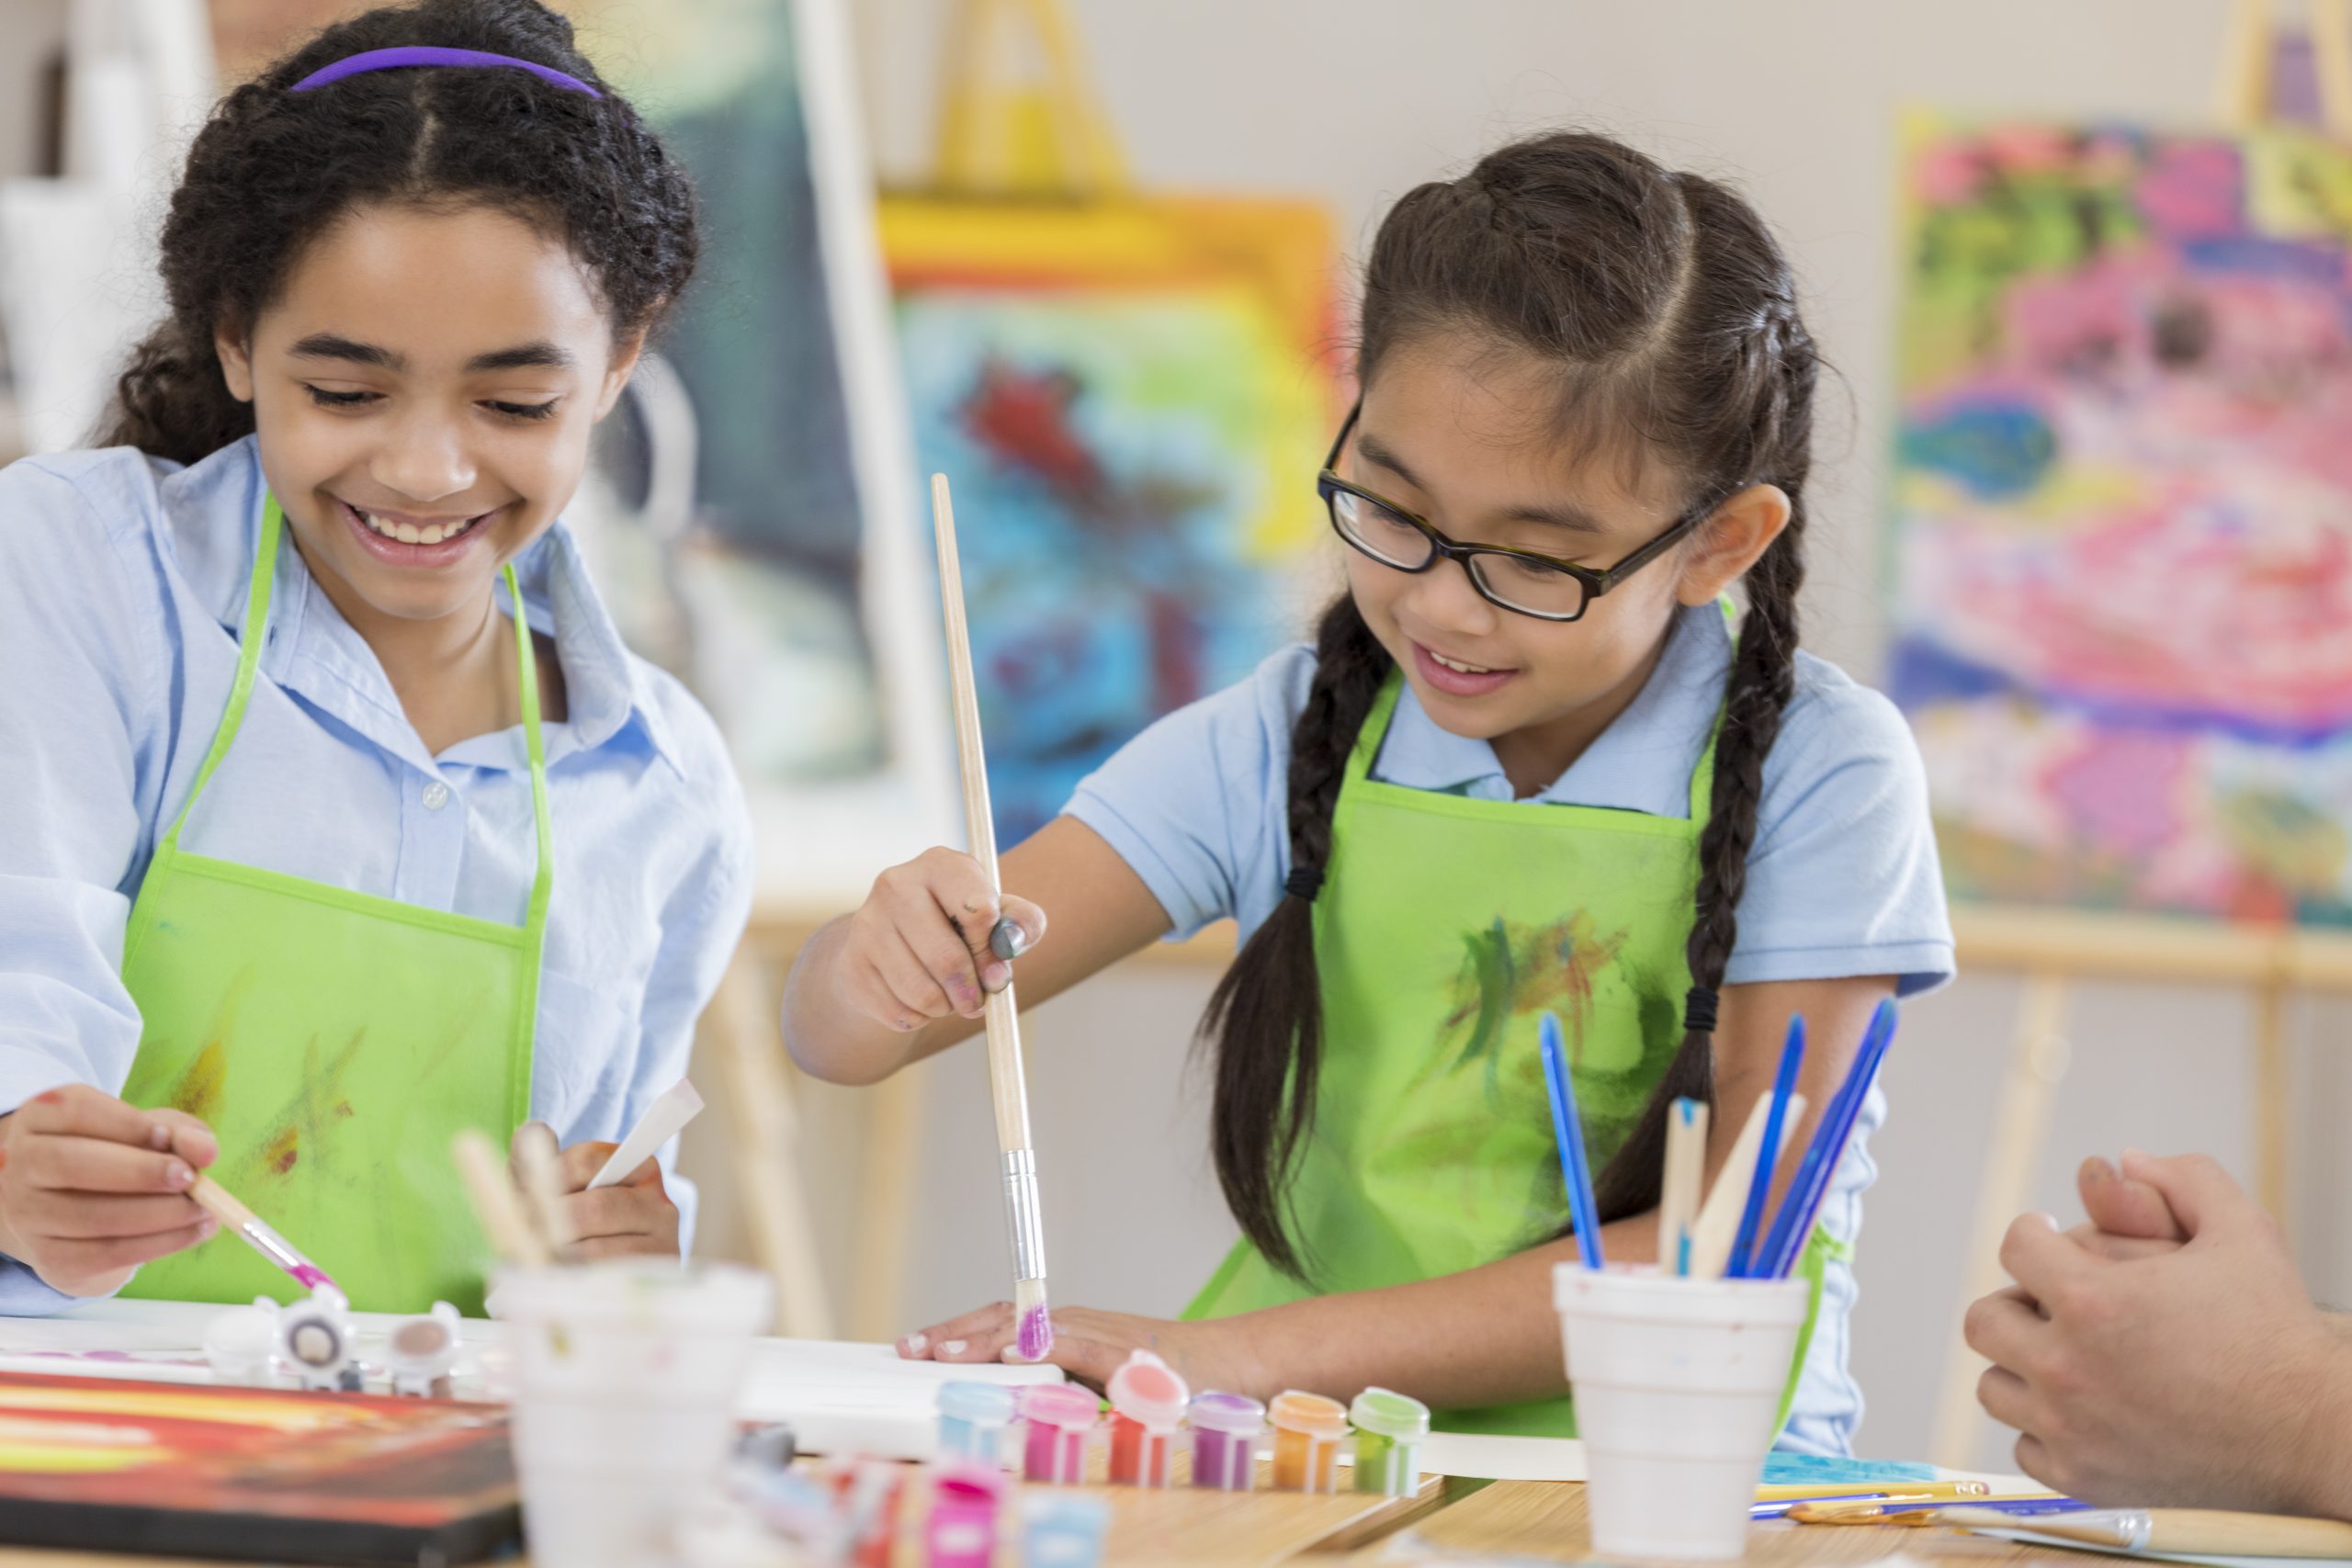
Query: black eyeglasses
1517, 581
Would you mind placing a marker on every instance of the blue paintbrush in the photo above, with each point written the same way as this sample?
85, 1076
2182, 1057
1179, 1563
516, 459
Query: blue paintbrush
1760, 1186
1570, 1134
1798, 1210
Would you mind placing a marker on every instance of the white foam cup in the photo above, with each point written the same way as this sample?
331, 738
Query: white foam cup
626, 1373
1677, 1384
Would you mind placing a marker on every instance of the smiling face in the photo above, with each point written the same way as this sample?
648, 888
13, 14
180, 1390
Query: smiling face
1447, 433
423, 386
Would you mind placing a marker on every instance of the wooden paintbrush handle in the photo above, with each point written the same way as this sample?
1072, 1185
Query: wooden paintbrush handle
211, 1196
2201, 1531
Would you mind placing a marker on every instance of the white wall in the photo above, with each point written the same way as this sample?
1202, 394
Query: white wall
1355, 100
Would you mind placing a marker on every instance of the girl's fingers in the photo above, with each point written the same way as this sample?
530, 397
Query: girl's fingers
579, 1163
190, 1138
79, 1258
1091, 1361
991, 1324
93, 1165
921, 968
623, 1247
615, 1211
78, 1111
82, 1217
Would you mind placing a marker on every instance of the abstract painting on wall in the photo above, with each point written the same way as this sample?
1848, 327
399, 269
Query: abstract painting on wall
1130, 398
2122, 515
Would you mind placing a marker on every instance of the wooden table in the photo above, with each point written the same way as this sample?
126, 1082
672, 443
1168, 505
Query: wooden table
1448, 1521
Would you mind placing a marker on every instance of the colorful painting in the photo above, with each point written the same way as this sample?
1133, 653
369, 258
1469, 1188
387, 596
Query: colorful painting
253, 1473
2122, 503
1130, 401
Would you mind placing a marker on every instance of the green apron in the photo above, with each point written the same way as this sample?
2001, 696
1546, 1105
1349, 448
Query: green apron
334, 1041
1446, 927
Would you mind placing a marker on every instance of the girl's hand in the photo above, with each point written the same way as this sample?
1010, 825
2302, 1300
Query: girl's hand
1090, 1346
635, 1218
91, 1188
918, 948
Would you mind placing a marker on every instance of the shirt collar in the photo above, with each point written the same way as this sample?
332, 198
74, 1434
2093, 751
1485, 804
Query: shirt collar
1642, 762
607, 689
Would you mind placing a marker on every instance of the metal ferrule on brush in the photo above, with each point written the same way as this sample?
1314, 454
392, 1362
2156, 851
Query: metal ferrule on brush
1021, 1214
274, 1247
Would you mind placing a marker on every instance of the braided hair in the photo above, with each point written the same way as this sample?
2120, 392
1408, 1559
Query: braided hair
272, 169
1665, 311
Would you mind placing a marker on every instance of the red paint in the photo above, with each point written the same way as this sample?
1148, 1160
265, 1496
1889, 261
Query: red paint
49, 1097
284, 1162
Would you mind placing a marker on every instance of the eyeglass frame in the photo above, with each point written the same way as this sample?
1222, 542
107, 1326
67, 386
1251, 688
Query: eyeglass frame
1595, 582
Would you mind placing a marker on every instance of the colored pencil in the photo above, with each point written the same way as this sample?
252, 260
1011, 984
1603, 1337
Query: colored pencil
1686, 1172
1710, 1238
1795, 1222
1008, 1089
1810, 1492
1759, 1185
1582, 1210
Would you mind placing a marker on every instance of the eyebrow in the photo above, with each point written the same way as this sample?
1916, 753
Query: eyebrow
1573, 518
540, 355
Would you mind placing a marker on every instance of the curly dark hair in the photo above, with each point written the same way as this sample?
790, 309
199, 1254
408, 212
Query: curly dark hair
1667, 315
272, 169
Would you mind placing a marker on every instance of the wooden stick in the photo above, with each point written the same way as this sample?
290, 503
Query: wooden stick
2332, 57
495, 1203
2242, 89
1718, 1221
1006, 1088
541, 1164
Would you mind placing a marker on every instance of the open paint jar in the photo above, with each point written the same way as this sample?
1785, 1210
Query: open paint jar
1308, 1429
961, 1531
1225, 1428
972, 1419
1147, 1407
1061, 1418
1389, 1429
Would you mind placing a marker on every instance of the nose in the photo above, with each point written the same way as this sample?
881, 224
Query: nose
1444, 599
423, 458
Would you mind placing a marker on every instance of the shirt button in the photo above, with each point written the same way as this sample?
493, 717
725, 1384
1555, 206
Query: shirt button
437, 796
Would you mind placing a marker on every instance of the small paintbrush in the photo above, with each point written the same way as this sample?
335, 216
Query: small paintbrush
259, 1234
1033, 1333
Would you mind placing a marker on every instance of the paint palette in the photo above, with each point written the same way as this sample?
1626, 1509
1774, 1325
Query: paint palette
255, 1474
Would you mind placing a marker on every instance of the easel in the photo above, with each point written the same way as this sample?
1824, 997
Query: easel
2053, 950
1000, 134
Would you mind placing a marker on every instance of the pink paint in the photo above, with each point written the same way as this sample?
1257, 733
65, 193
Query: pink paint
1037, 1335
1060, 1417
311, 1275
961, 1531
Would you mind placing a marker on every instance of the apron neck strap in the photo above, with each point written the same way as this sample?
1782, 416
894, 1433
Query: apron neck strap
254, 633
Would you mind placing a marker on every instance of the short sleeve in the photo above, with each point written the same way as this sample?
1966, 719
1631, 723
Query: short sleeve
1194, 804
1843, 878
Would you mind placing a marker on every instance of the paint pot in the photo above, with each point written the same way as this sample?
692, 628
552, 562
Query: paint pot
240, 1342
1308, 1429
1061, 1418
972, 1419
422, 1351
1389, 1431
961, 1531
1147, 1407
625, 1372
315, 1341
1226, 1429
1063, 1530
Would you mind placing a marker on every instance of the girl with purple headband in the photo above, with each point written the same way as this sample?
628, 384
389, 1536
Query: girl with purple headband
341, 820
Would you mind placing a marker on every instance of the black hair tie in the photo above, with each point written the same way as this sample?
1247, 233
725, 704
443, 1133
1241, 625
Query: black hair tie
1304, 882
1698, 1010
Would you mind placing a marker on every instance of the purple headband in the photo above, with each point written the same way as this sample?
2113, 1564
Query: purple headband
423, 54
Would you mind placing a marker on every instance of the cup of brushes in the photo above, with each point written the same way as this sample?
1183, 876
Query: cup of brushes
1679, 1366
625, 1370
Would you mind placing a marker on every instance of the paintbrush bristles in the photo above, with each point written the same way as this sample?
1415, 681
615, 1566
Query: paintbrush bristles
215, 1200
1033, 1325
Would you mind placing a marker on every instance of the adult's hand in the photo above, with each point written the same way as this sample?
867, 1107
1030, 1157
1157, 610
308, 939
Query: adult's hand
2200, 1376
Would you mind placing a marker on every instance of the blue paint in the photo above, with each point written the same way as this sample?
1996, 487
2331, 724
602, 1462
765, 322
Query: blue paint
2001, 449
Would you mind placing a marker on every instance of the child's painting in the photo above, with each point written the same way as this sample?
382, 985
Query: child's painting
2122, 503
1130, 400
261, 1474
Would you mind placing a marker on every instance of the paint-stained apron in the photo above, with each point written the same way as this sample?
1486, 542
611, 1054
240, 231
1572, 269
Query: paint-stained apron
334, 1041
1447, 926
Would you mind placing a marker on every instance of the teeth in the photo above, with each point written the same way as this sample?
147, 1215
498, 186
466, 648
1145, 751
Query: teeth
410, 533
430, 536
1465, 669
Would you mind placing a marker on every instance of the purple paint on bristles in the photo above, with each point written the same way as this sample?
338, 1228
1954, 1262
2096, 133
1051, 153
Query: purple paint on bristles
1037, 1333
309, 1275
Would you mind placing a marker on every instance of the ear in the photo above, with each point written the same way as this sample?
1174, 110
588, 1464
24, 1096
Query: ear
236, 363
1742, 529
627, 350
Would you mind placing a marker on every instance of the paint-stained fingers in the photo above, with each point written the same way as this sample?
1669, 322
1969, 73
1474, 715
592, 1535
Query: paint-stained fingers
927, 969
94, 1164
78, 1111
191, 1139
1029, 928
82, 1216
69, 1259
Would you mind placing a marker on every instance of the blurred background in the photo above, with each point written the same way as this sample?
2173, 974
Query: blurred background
2082, 268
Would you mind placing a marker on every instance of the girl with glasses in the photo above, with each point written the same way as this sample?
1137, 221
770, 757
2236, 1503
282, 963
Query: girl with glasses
1527, 764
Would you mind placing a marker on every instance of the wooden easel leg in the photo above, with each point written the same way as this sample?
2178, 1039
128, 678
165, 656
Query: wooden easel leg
2020, 1117
886, 1214
2272, 1138
765, 1136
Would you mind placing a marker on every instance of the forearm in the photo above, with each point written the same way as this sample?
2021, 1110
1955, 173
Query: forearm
2326, 1487
1487, 1335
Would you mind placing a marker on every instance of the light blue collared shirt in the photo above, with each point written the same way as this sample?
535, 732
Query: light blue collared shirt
1842, 880
122, 591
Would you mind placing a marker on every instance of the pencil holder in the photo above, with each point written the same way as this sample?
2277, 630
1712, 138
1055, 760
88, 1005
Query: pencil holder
1677, 1384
